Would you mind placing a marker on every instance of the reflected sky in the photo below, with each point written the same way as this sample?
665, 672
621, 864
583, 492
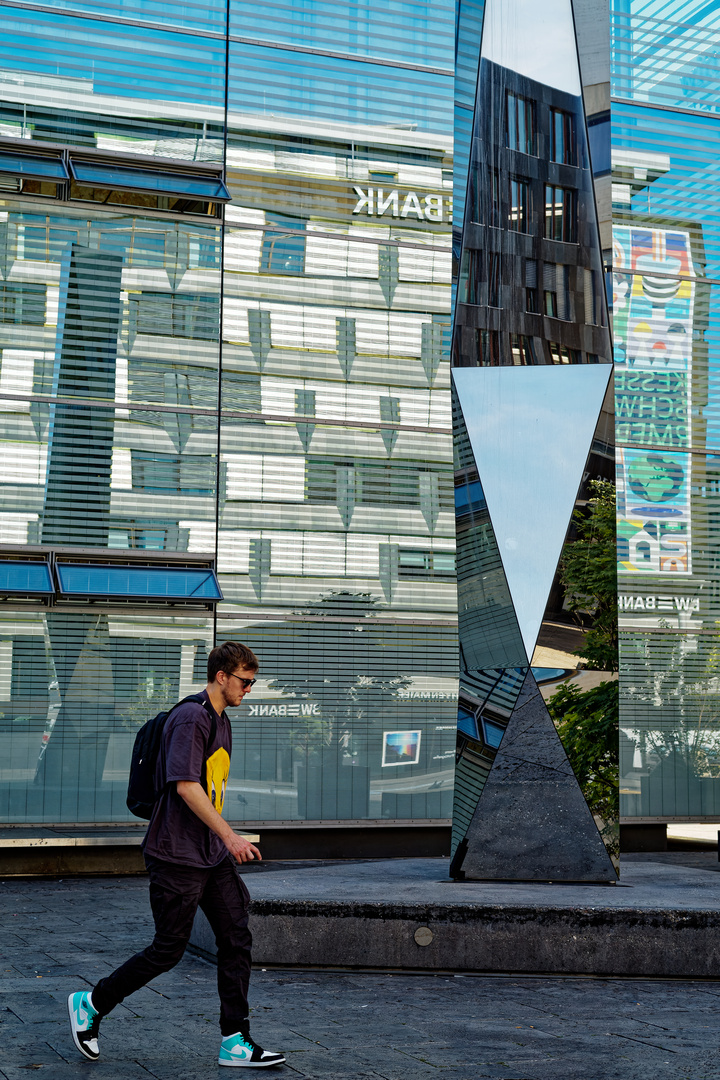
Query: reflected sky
97, 57
201, 15
410, 31
530, 430
666, 51
268, 81
534, 39
687, 191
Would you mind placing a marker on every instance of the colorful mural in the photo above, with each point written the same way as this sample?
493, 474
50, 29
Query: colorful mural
653, 309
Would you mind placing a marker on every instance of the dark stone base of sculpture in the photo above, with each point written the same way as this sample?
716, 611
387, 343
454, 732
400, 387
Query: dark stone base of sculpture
532, 822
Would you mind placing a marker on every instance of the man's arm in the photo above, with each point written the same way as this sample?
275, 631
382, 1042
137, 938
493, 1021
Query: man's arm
196, 798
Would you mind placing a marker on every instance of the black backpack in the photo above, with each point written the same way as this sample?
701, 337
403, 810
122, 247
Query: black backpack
142, 795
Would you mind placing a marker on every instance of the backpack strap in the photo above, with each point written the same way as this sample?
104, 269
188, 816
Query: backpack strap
200, 700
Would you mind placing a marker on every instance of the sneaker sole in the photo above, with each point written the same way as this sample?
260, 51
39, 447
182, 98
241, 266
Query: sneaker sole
81, 1048
252, 1064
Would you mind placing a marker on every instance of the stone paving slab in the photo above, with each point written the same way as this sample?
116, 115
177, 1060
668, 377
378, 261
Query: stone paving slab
331, 1025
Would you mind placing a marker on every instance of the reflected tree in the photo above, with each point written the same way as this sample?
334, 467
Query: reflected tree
588, 721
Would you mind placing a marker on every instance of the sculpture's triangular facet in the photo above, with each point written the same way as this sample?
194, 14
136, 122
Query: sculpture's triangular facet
530, 430
532, 822
489, 632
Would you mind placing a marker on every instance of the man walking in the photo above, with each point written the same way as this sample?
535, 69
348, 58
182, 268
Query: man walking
188, 850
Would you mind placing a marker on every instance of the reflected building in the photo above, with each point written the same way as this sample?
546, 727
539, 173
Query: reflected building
224, 388
665, 214
226, 338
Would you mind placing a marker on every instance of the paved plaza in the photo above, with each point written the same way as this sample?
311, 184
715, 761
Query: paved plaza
61, 935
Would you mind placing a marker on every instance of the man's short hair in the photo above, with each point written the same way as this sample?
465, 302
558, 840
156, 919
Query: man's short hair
228, 656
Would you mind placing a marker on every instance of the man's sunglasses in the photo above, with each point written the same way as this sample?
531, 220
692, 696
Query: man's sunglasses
246, 683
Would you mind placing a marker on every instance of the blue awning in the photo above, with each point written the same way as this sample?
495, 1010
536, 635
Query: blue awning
158, 182
25, 579
189, 585
32, 166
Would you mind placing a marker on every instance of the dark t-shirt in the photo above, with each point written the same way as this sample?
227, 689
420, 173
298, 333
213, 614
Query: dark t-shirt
175, 834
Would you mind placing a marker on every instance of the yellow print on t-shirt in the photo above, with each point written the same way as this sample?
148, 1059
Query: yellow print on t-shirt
218, 768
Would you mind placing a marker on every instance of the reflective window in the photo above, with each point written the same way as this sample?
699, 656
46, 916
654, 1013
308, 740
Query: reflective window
33, 166
426, 564
119, 176
25, 578
22, 303
106, 75
560, 214
272, 81
520, 123
519, 216
283, 250
495, 218
494, 265
664, 53
202, 15
562, 137
522, 350
141, 582
531, 281
556, 290
166, 474
412, 32
561, 354
185, 315
599, 138
489, 346
324, 480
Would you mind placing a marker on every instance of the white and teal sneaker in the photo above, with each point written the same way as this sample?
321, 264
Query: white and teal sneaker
242, 1050
84, 1024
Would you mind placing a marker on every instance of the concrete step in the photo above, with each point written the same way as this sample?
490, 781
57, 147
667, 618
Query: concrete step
661, 919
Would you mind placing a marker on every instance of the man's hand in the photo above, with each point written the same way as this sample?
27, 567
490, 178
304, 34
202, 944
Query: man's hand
241, 849
195, 796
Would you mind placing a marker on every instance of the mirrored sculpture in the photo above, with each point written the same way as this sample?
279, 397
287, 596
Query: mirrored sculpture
532, 362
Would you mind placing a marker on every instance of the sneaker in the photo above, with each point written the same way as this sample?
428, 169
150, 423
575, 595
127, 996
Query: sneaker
242, 1050
84, 1024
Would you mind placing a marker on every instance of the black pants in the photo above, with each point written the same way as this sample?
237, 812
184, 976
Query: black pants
176, 892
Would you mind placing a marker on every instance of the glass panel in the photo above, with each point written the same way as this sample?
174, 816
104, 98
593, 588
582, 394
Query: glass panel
118, 85
265, 81
665, 54
311, 740
25, 578
74, 689
201, 14
142, 582
519, 219
510, 414
411, 31
118, 176
25, 165
114, 368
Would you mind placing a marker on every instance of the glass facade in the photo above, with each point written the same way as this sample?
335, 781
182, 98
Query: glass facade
224, 397
666, 276
226, 298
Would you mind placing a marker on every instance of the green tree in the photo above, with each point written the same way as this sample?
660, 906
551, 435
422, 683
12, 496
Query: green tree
588, 570
587, 721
